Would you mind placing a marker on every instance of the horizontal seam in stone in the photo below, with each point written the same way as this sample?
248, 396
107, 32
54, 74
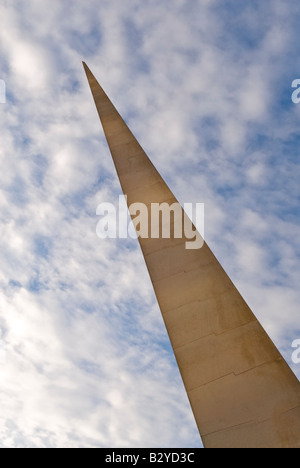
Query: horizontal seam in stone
187, 271
256, 421
173, 309
218, 334
237, 374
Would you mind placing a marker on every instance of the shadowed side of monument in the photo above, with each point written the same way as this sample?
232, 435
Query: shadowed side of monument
242, 392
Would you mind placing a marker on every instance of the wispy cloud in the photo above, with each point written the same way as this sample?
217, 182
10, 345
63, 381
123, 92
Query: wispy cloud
206, 89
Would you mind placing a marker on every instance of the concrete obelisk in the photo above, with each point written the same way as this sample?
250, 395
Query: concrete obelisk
242, 392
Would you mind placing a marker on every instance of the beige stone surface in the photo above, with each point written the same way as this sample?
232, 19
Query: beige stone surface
242, 392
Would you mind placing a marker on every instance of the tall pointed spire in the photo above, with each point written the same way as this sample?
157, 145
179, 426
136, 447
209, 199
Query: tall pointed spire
242, 392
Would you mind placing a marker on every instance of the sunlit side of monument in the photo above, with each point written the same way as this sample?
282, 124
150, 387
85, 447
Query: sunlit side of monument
242, 392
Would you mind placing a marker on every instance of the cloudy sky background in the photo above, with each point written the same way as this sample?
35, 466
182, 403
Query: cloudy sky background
205, 86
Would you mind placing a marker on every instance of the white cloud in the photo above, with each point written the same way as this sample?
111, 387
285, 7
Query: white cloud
87, 360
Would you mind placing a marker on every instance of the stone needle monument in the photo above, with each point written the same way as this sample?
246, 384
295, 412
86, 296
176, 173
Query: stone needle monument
242, 392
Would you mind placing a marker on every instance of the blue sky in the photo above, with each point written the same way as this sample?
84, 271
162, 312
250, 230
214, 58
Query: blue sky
206, 88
